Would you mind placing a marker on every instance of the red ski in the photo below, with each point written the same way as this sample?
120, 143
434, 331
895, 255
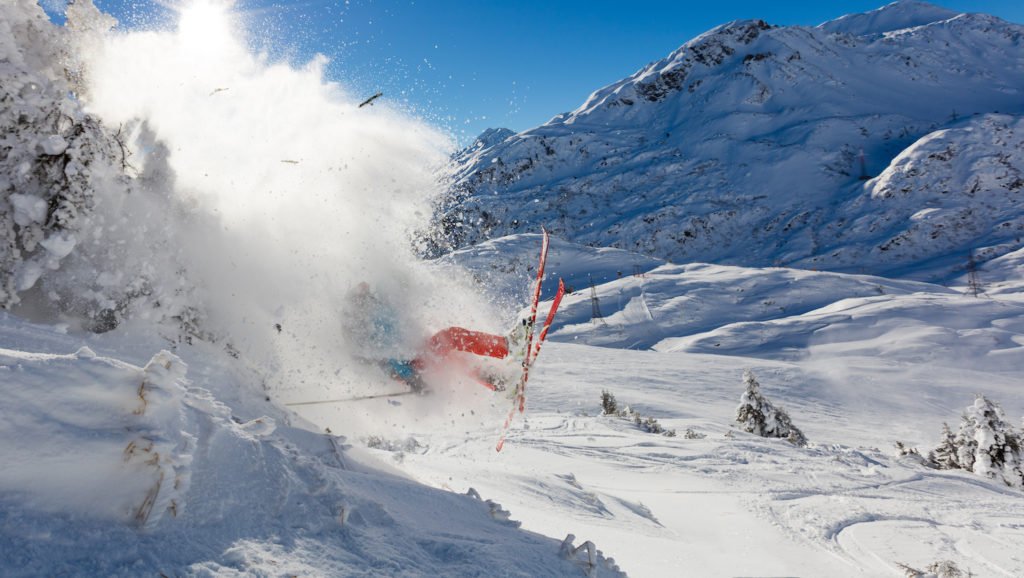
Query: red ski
521, 390
532, 349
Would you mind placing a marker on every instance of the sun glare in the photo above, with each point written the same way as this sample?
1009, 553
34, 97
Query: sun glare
205, 24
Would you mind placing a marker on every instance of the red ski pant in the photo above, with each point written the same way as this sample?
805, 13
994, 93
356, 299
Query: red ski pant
439, 347
458, 339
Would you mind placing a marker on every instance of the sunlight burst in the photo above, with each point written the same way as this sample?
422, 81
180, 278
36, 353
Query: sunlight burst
205, 24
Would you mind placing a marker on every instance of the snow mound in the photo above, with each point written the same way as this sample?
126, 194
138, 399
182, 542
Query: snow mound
118, 470
650, 310
92, 435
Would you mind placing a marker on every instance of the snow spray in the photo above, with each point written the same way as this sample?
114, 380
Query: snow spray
289, 193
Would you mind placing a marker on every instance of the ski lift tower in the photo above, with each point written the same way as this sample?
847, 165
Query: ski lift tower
973, 284
595, 305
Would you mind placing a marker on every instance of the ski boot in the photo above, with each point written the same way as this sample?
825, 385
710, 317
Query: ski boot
407, 373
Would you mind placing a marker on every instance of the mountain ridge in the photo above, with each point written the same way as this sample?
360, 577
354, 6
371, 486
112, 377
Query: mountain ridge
742, 131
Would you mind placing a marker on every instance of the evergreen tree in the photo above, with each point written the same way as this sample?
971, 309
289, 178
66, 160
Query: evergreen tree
55, 157
608, 404
759, 416
944, 456
989, 446
75, 223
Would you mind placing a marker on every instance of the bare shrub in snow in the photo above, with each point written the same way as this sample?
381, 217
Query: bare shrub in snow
904, 450
381, 443
593, 556
913, 454
759, 416
651, 425
939, 569
692, 434
497, 512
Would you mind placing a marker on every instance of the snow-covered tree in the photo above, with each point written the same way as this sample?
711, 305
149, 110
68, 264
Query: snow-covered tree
55, 157
759, 416
944, 456
76, 230
608, 404
988, 445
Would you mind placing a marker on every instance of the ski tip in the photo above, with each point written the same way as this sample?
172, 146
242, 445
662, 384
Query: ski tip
501, 444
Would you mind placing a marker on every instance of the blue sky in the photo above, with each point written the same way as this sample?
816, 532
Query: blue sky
469, 65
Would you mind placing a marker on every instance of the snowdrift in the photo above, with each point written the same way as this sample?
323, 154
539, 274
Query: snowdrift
118, 470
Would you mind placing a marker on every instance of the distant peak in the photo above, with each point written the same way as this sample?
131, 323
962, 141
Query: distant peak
491, 137
896, 16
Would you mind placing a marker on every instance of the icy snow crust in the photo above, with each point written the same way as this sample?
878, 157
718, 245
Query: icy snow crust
744, 147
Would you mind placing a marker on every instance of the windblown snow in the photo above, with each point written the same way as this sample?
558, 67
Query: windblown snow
180, 221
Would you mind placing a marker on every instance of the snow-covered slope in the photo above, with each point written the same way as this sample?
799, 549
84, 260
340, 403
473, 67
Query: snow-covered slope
118, 470
503, 267
953, 193
895, 16
160, 447
1002, 275
742, 144
859, 363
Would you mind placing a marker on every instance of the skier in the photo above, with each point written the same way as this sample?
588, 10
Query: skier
374, 326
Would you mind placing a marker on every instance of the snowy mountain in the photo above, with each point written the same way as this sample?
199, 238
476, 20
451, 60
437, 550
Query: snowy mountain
896, 16
952, 193
742, 145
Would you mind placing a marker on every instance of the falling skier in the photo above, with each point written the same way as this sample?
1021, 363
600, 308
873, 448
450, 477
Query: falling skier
373, 324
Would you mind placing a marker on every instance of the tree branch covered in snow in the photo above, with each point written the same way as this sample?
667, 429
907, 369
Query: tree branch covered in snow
75, 229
